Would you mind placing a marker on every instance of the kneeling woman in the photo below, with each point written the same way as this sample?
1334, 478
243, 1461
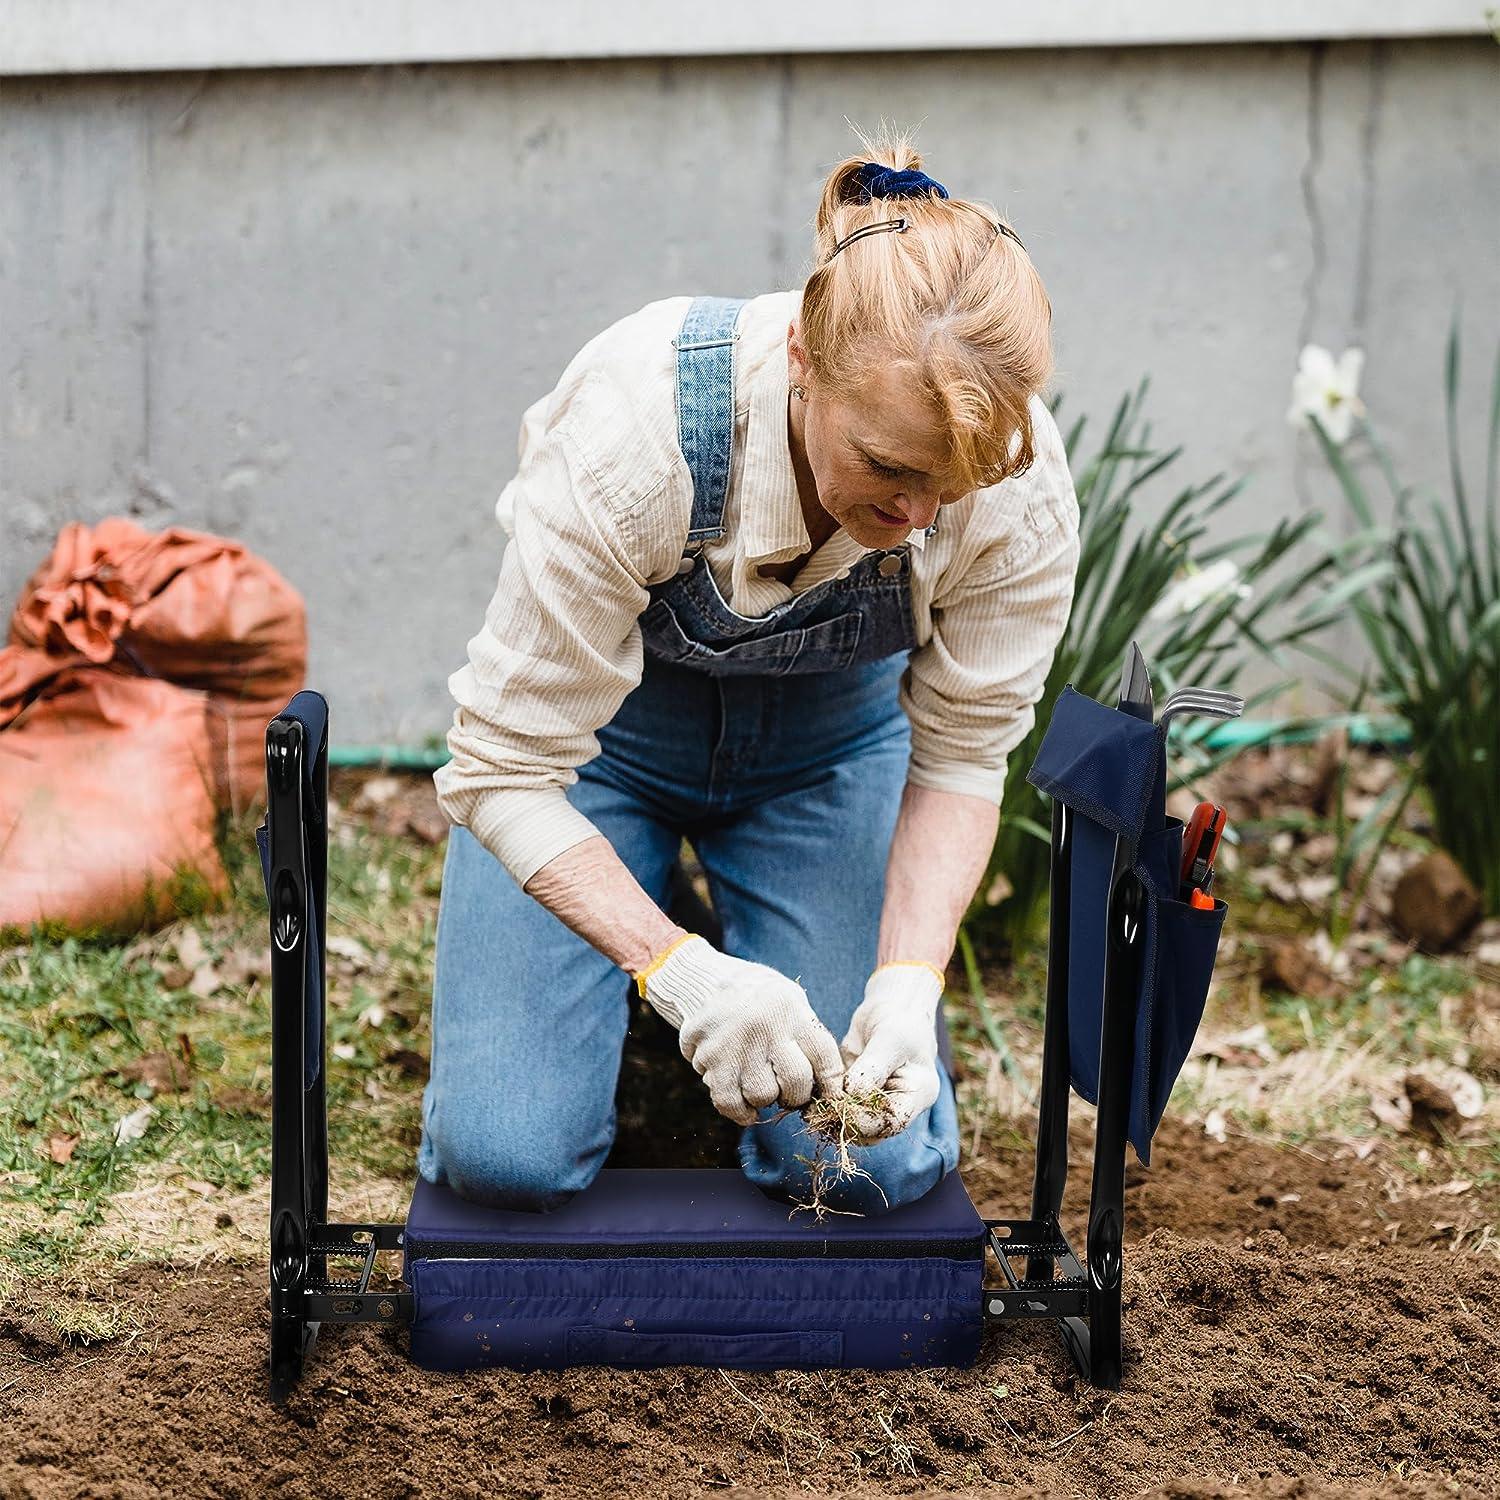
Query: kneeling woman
786, 579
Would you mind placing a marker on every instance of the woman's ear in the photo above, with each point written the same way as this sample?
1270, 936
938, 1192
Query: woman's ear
796, 355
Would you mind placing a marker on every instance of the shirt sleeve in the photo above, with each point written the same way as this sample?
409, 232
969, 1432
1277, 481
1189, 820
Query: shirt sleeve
971, 690
561, 643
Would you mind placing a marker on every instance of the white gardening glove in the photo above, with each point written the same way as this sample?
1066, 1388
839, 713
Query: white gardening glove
746, 1028
891, 1044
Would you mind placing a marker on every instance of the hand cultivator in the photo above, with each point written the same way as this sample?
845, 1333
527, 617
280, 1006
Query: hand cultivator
653, 1267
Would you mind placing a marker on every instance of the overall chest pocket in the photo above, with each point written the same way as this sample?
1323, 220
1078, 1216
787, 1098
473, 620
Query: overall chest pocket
827, 646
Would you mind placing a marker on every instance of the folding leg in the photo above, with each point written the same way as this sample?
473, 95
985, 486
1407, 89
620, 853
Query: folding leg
1052, 1122
299, 1174
1054, 1284
315, 1101
294, 853
1107, 1199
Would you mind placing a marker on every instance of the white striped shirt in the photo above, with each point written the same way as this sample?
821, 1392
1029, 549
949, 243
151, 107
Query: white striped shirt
599, 509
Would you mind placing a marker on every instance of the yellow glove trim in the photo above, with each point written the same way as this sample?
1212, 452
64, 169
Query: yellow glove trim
915, 963
658, 961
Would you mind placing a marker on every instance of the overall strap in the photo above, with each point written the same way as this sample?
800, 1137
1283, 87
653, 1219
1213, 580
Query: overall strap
705, 407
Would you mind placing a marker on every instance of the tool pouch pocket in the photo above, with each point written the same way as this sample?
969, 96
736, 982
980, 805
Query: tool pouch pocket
1177, 965
1109, 769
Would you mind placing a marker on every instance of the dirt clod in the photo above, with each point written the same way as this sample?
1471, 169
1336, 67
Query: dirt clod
1290, 966
1435, 902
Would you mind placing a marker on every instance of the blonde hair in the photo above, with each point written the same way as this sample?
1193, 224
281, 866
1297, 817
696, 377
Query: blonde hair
950, 301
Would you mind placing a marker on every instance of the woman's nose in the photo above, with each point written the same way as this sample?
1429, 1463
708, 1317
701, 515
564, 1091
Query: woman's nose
921, 510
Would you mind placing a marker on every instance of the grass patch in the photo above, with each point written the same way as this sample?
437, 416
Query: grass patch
148, 1061
1406, 1014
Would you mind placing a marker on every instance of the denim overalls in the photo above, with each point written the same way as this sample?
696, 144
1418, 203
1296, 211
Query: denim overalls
840, 623
776, 745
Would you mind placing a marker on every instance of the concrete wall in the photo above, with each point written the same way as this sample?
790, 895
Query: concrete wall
308, 307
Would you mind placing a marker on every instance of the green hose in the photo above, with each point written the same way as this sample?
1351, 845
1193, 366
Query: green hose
1363, 730
388, 757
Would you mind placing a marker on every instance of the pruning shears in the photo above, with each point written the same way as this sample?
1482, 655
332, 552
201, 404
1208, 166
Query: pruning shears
1200, 842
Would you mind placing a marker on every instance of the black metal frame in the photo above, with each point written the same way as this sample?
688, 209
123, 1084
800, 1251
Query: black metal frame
303, 1294
1085, 1299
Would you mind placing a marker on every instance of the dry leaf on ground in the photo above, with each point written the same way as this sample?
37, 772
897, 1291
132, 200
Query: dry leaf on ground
61, 1148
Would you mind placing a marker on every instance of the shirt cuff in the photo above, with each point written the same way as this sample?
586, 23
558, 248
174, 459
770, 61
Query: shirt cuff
526, 828
959, 776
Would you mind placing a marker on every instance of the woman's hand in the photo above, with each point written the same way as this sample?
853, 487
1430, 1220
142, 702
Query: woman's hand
747, 1029
891, 1044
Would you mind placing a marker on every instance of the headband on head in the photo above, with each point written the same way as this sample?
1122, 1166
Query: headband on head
880, 181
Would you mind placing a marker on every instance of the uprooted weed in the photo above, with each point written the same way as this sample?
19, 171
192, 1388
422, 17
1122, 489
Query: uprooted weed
837, 1123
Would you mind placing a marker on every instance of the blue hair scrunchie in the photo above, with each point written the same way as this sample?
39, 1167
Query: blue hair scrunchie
886, 182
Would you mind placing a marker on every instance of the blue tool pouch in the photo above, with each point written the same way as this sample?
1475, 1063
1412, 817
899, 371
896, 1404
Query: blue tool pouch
1109, 769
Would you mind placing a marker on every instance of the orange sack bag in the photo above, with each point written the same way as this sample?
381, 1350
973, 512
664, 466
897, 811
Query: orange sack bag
135, 690
198, 610
107, 805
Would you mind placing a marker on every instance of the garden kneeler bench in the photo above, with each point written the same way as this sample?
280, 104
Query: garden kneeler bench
697, 1266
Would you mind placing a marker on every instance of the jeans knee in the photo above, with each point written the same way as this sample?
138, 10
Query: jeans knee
908, 1179
888, 1182
507, 1171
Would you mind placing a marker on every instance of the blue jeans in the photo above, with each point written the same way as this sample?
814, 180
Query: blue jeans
788, 788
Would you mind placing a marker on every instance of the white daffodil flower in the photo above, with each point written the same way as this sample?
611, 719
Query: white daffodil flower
1197, 587
1328, 389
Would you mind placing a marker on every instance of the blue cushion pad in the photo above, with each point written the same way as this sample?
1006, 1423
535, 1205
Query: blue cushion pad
693, 1266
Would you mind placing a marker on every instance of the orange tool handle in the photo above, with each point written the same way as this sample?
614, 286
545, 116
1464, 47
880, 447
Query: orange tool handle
1200, 843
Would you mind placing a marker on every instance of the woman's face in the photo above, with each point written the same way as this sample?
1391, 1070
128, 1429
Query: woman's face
873, 459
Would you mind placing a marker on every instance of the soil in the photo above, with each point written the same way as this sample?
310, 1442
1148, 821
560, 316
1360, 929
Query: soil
1298, 1323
